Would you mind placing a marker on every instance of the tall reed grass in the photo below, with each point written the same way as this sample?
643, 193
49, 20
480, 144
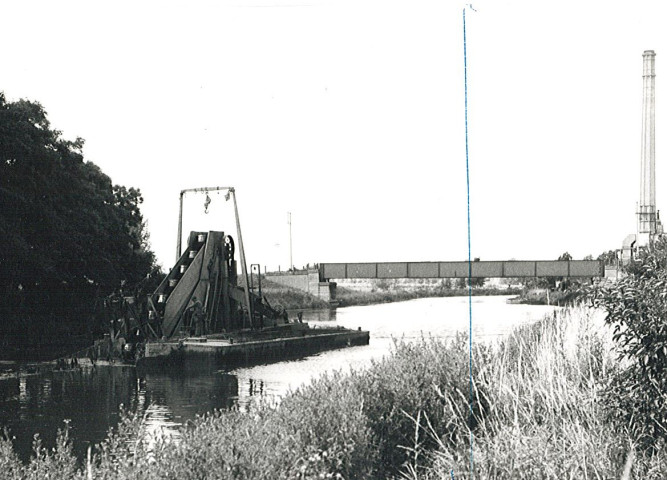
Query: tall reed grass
545, 417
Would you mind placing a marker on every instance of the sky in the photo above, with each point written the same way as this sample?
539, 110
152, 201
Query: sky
349, 114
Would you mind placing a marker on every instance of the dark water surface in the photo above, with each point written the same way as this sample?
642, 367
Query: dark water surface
90, 397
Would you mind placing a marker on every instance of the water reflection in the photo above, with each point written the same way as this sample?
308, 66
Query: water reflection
40, 404
90, 397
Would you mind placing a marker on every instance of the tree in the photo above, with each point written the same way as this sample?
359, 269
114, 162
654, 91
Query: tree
69, 233
551, 282
609, 257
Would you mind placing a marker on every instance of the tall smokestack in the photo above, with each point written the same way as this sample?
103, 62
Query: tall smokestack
648, 220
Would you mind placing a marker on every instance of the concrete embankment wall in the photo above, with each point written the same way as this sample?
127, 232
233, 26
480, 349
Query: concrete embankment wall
307, 281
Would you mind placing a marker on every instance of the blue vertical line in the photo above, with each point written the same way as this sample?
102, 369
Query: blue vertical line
465, 81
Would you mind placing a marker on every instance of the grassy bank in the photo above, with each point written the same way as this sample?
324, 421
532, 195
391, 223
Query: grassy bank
347, 297
290, 298
293, 299
540, 296
538, 413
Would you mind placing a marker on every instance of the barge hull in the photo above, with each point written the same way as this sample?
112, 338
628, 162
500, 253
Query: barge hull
226, 353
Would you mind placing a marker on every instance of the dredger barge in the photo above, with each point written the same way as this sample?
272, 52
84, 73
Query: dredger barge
200, 311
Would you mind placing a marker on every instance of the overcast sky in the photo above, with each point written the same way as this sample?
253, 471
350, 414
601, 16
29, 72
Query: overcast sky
350, 115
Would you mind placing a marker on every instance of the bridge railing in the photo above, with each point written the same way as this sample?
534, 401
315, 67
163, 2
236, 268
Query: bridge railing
485, 269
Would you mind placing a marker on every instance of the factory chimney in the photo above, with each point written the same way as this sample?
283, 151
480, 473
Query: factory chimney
648, 218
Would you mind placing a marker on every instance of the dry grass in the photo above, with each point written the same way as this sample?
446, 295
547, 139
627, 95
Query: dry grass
545, 419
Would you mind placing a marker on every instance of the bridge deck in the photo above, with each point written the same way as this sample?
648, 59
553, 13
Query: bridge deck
497, 269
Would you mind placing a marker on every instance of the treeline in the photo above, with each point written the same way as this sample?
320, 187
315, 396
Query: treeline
70, 236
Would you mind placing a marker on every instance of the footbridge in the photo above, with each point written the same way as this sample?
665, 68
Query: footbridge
476, 269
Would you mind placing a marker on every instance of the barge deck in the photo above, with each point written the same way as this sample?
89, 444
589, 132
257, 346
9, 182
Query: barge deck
248, 347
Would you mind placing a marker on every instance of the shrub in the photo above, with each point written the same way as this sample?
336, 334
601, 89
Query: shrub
318, 431
10, 464
422, 388
636, 308
59, 462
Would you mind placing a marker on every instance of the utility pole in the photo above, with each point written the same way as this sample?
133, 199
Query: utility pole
289, 221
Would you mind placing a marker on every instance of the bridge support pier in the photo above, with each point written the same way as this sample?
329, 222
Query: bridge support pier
308, 281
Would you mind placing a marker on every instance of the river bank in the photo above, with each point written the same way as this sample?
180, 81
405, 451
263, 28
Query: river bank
537, 414
89, 397
543, 296
346, 296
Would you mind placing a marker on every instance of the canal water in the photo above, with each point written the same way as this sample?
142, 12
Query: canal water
89, 399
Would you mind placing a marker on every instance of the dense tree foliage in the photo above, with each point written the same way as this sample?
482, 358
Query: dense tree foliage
609, 257
69, 234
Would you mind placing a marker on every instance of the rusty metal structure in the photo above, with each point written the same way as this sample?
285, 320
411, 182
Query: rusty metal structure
207, 271
207, 306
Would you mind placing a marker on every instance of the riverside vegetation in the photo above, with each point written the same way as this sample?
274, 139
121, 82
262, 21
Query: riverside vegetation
579, 394
381, 291
384, 291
